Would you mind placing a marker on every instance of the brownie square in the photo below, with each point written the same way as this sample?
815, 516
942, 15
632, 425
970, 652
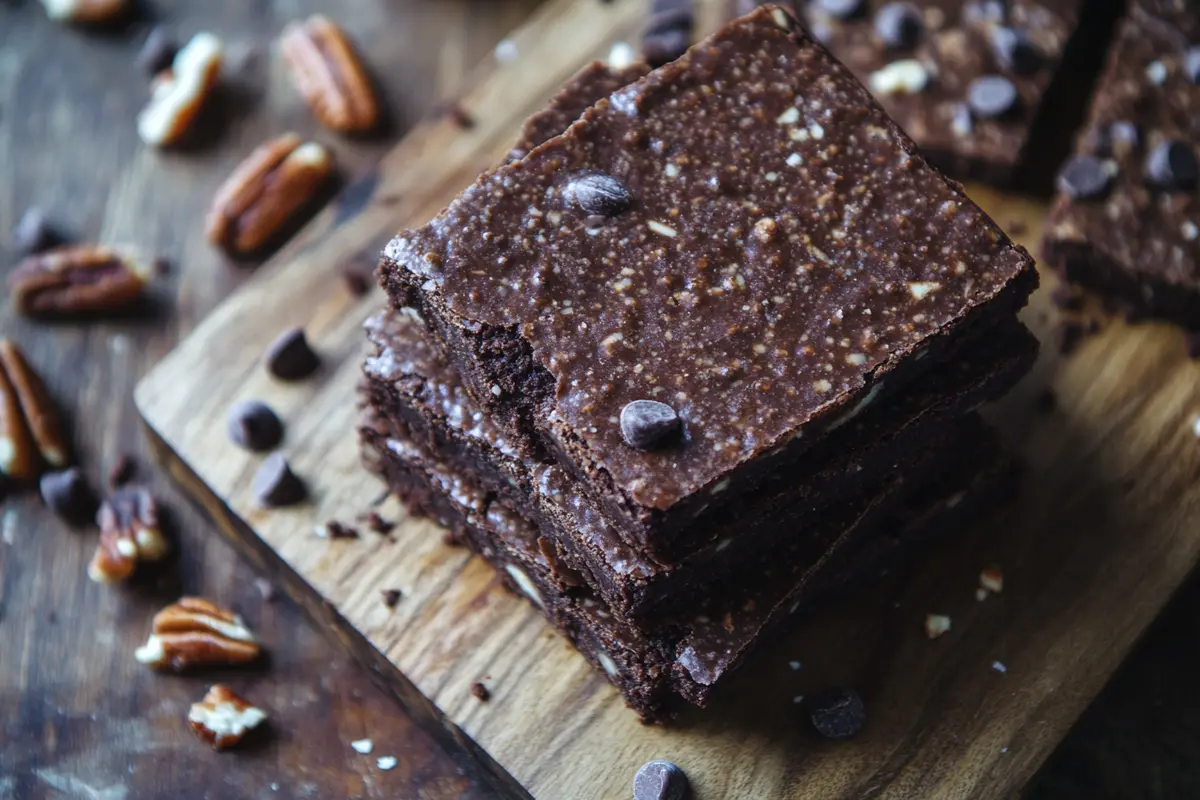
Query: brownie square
1126, 223
743, 235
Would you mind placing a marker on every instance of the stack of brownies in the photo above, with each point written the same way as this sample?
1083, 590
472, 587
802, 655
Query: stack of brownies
713, 349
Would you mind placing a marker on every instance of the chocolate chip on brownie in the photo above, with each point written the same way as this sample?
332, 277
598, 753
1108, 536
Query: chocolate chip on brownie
647, 423
992, 96
1084, 177
599, 195
899, 25
1172, 165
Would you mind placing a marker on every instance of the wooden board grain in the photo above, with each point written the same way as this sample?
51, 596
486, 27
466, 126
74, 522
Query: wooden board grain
1106, 526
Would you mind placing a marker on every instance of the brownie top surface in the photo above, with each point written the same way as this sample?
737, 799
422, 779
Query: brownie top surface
589, 85
772, 242
922, 60
1147, 105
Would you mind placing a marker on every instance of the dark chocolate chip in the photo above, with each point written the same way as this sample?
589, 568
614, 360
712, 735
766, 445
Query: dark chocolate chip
122, 471
290, 358
480, 692
841, 9
276, 485
357, 277
961, 122
646, 423
1084, 177
1124, 138
899, 25
1172, 166
68, 495
663, 47
253, 425
340, 530
992, 96
837, 713
660, 780
599, 194
1191, 64
33, 232
1045, 401
158, 51
391, 597
378, 524
1015, 51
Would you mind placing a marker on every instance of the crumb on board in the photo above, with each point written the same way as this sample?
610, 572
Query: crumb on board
391, 597
936, 625
363, 746
480, 692
999, 666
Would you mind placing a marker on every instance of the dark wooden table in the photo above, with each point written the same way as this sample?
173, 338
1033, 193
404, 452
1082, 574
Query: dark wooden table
78, 717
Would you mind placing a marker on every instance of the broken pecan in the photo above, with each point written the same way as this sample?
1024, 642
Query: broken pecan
76, 280
129, 533
88, 11
278, 179
18, 453
223, 717
330, 76
178, 94
197, 633
36, 406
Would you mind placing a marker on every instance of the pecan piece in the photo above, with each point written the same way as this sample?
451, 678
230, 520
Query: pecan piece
129, 534
329, 74
197, 633
178, 94
77, 280
86, 11
279, 178
223, 717
18, 453
36, 406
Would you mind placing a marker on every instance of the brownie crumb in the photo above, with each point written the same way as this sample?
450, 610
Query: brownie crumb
1016, 227
391, 597
1046, 401
378, 524
837, 713
1066, 297
122, 471
453, 111
340, 530
1069, 333
480, 692
357, 274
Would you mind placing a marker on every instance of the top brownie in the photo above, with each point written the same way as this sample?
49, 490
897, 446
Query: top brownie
743, 235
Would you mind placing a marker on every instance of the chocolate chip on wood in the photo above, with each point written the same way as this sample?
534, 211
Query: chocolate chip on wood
837, 713
290, 357
275, 484
253, 425
68, 495
158, 50
660, 780
33, 232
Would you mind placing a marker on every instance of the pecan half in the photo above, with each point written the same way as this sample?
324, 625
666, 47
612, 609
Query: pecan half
36, 406
279, 178
88, 11
18, 453
77, 280
177, 95
223, 717
129, 534
197, 633
329, 74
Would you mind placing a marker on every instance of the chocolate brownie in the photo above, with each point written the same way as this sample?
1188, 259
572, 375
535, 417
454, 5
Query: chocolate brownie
985, 87
591, 274
426, 409
1127, 220
594, 82
683, 656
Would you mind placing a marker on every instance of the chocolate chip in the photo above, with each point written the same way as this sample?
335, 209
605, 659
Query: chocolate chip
276, 485
599, 194
391, 597
646, 423
841, 9
1084, 177
668, 32
253, 425
1172, 166
837, 713
290, 358
1015, 51
480, 692
899, 25
68, 495
1191, 64
992, 96
660, 780
357, 277
122, 471
158, 51
33, 232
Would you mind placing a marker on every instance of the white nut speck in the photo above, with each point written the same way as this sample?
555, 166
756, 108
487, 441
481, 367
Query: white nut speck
789, 116
772, 176
363, 746
386, 763
720, 486
522, 580
798, 699
496, 390
936, 625
822, 385
795, 160
764, 229
857, 359
906, 76
1196, 425
781, 18
999, 667
506, 51
1189, 230
1156, 73
798, 134
992, 579
672, 170
794, 664
606, 661
981, 594
817, 131
659, 228
921, 288
621, 55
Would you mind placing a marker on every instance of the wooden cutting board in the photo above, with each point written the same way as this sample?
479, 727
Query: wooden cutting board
1106, 526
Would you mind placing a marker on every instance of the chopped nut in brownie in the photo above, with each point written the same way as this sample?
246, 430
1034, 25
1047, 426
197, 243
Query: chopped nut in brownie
936, 625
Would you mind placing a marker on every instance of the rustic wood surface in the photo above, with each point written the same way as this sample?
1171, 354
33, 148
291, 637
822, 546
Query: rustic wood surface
77, 717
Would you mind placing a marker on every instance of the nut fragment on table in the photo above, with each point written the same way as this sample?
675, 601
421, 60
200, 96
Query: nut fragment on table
83, 279
329, 74
129, 534
178, 94
279, 178
197, 633
86, 11
37, 408
223, 717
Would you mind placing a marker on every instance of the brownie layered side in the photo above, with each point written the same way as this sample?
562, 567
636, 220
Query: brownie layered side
845, 267
1126, 223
